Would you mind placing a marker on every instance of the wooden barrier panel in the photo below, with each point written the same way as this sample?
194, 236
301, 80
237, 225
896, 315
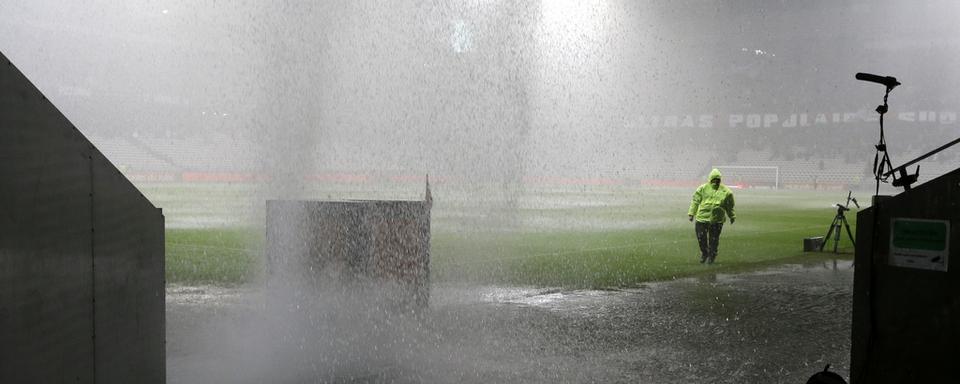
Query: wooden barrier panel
333, 245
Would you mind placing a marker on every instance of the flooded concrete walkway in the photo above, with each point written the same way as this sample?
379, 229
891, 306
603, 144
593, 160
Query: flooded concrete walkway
775, 326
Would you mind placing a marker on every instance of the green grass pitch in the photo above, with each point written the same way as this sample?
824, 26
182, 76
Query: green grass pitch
598, 238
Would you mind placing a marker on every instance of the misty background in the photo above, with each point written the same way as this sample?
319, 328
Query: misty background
497, 93
489, 98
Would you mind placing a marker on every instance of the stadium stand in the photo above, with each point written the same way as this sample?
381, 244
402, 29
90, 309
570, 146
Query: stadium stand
666, 161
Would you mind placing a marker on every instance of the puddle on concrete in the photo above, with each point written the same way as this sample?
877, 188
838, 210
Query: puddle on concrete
776, 325
207, 295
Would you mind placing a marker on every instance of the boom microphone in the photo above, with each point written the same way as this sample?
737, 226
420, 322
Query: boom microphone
888, 81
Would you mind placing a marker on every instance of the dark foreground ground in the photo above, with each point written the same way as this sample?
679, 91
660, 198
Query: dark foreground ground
775, 326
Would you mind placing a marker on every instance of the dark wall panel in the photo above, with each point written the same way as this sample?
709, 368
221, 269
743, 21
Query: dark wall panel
905, 319
129, 285
52, 240
45, 240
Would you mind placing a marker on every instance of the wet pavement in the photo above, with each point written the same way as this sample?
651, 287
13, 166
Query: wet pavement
779, 325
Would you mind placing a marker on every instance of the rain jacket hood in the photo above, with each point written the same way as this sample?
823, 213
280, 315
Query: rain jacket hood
711, 205
714, 174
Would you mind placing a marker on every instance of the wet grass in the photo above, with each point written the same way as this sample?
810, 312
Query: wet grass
769, 232
218, 256
609, 240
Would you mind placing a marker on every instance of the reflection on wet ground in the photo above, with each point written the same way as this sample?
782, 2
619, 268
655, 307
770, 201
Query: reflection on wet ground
775, 326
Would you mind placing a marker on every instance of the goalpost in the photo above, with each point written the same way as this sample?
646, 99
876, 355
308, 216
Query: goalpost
749, 175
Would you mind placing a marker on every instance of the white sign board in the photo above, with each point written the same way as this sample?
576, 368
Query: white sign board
919, 243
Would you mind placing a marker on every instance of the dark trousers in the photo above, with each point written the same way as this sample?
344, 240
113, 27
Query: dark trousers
708, 235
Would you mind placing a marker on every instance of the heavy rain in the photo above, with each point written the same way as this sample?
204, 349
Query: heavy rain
538, 157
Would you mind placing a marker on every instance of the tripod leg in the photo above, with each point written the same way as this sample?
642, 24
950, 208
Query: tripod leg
847, 225
836, 236
829, 232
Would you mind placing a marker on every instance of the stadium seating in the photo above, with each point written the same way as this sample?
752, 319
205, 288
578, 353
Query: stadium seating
161, 158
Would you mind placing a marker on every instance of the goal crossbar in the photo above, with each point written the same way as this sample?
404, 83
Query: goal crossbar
776, 171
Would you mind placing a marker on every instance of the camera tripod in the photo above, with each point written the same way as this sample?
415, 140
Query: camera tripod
837, 221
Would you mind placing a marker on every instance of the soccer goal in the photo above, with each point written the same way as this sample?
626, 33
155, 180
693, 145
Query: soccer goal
748, 176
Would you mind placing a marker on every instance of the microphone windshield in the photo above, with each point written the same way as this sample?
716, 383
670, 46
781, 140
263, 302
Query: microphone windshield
888, 81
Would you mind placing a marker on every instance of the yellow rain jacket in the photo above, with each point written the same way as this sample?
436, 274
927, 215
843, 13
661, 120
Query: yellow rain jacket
712, 205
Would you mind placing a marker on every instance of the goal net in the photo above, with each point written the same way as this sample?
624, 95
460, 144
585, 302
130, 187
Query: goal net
747, 176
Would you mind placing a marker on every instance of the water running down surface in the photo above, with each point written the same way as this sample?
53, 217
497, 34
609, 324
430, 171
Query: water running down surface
777, 325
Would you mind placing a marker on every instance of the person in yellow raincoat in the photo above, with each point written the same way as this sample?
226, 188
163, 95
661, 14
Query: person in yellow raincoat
712, 203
